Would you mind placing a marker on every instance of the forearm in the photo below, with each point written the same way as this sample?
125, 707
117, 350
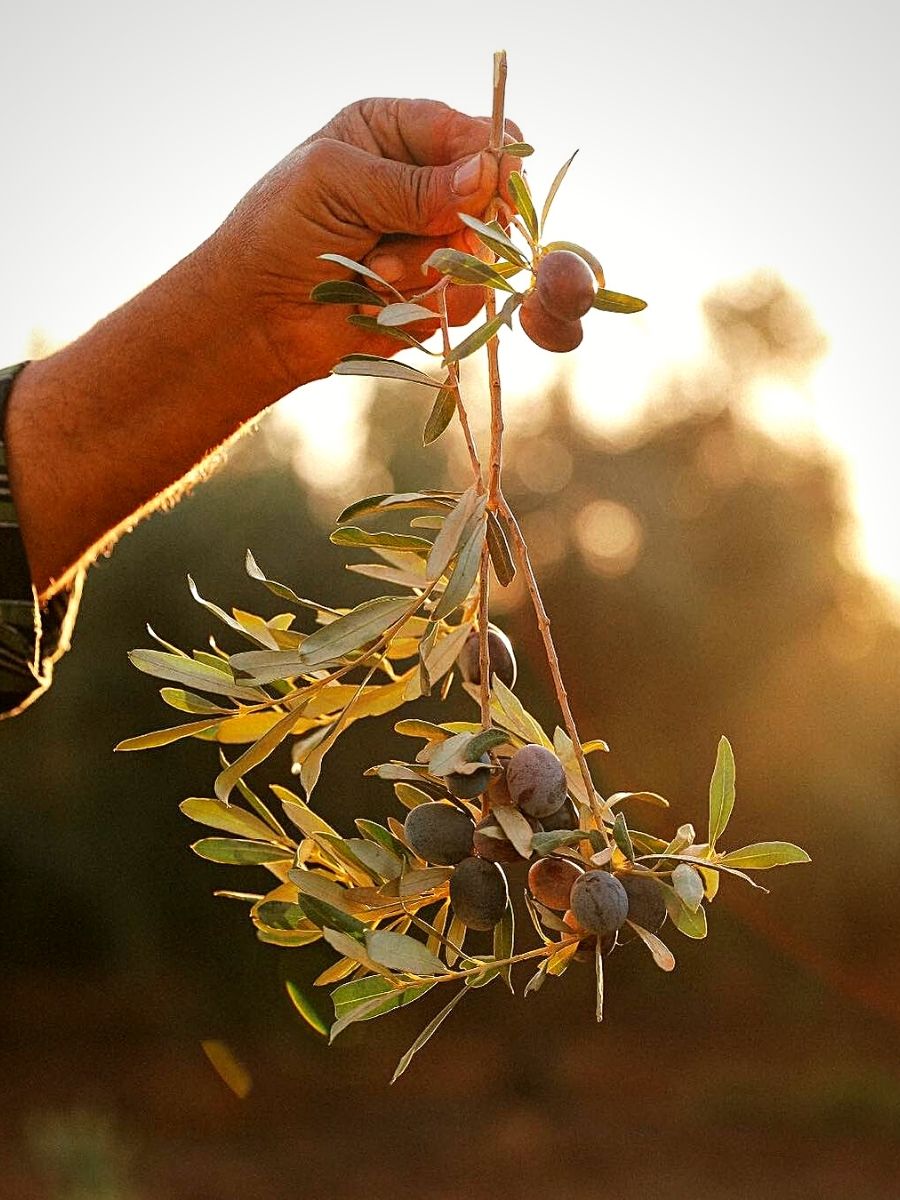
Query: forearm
100, 433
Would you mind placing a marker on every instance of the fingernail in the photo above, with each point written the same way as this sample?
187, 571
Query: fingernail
388, 266
467, 176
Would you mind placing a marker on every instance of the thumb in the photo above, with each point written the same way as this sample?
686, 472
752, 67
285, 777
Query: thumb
395, 197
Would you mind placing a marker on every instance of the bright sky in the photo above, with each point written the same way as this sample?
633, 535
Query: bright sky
715, 139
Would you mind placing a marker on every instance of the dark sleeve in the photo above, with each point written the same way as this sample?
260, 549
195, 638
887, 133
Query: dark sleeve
32, 638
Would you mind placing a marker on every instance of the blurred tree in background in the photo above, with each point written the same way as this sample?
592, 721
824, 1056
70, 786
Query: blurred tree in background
701, 580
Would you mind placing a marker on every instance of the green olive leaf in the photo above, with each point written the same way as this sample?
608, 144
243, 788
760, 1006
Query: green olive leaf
551, 196
306, 1008
466, 268
430, 1029
400, 952
441, 415
617, 302
721, 791
345, 291
240, 852
521, 194
761, 855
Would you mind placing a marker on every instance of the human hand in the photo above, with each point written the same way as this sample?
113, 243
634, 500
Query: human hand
383, 182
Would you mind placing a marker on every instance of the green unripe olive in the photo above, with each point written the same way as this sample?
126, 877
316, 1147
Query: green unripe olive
439, 833
536, 781
564, 283
550, 881
500, 656
547, 331
646, 905
478, 893
565, 817
599, 903
467, 787
493, 848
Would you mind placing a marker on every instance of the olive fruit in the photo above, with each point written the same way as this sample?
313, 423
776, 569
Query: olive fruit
478, 893
550, 881
565, 817
536, 781
564, 284
439, 833
547, 331
467, 787
493, 847
646, 904
599, 903
500, 656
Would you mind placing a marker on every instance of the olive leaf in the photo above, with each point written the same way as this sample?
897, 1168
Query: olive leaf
622, 838
369, 997
376, 367
497, 239
305, 1008
349, 535
371, 325
466, 268
192, 673
345, 291
516, 828
463, 575
240, 852
617, 302
402, 953
519, 149
440, 416
281, 589
483, 333
761, 855
358, 268
662, 955
225, 817
689, 885
521, 194
430, 1029
551, 196
501, 556
388, 502
405, 314
721, 791
165, 737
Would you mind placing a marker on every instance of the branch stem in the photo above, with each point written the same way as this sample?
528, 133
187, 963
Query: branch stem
520, 549
460, 407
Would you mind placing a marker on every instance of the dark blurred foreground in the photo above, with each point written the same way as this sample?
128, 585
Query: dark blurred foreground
699, 582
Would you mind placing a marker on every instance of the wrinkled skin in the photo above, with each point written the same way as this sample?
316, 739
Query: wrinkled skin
383, 183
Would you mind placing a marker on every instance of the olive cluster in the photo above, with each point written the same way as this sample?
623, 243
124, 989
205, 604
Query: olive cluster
534, 783
564, 291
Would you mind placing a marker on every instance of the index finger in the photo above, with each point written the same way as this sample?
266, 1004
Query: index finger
424, 133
